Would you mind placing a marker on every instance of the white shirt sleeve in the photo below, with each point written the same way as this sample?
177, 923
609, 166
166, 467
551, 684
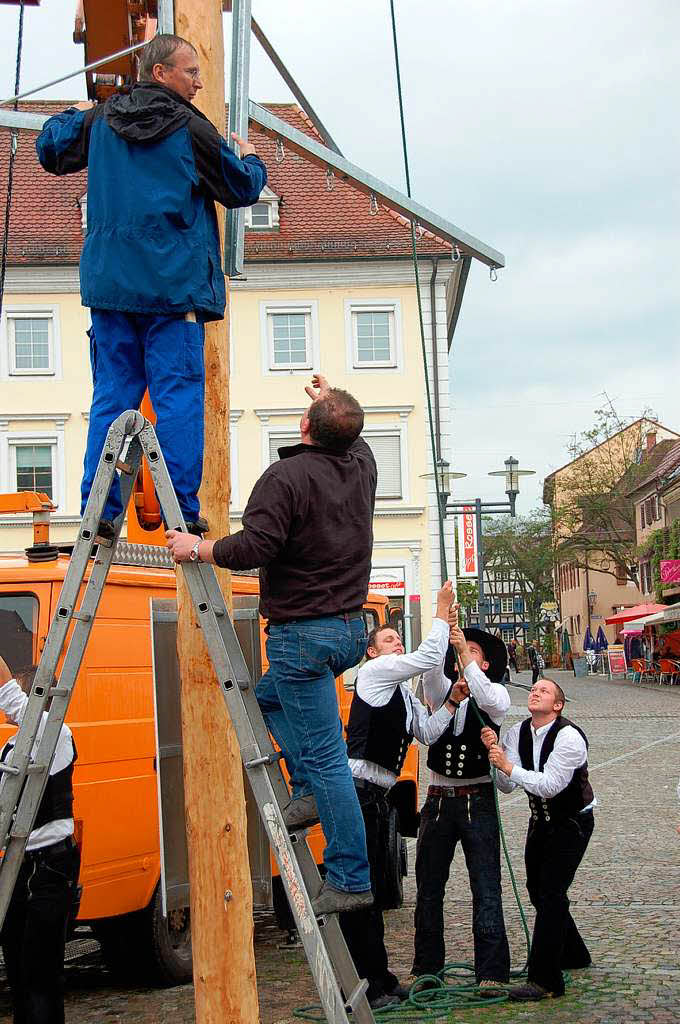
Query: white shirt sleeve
510, 745
428, 728
568, 754
13, 703
378, 678
493, 698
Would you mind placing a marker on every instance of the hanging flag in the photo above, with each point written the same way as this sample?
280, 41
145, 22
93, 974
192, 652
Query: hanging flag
467, 543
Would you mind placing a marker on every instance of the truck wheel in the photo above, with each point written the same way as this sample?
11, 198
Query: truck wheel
396, 864
144, 946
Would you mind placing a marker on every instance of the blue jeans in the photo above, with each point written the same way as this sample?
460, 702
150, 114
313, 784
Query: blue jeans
299, 702
130, 352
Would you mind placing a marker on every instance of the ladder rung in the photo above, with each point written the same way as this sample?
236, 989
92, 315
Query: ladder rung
81, 616
358, 994
124, 467
58, 691
272, 758
36, 769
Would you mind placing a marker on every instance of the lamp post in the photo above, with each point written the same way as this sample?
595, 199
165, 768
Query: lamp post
443, 475
512, 473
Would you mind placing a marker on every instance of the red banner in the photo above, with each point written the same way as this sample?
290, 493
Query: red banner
467, 543
670, 570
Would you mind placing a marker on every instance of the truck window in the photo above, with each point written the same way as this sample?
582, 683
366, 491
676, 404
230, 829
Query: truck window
370, 619
18, 628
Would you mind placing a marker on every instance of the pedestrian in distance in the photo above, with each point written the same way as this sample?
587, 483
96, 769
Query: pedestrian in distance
546, 755
534, 664
512, 656
460, 807
308, 526
151, 266
45, 896
385, 716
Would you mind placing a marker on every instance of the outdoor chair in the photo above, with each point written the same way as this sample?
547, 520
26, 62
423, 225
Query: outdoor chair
638, 667
669, 671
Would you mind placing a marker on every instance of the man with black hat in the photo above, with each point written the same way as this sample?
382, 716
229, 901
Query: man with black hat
460, 806
547, 755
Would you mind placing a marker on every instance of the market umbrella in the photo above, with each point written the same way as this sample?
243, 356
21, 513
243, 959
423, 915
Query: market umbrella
588, 642
566, 646
601, 642
637, 612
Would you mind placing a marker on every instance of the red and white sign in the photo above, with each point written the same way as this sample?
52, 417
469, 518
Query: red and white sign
467, 543
388, 582
670, 570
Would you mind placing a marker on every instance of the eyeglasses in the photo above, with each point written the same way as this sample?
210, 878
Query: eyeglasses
193, 73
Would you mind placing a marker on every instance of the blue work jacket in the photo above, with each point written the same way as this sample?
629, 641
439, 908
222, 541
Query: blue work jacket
156, 167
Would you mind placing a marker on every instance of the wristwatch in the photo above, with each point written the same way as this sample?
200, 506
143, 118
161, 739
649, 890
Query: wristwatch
193, 554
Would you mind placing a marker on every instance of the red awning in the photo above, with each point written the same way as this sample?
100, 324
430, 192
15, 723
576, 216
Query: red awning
637, 612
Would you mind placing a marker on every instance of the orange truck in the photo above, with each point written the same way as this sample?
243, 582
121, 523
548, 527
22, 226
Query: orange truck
116, 774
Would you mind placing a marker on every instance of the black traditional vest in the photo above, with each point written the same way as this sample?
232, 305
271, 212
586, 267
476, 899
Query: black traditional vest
57, 800
379, 734
465, 756
577, 795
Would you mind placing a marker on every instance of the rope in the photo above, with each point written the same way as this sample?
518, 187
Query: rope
13, 143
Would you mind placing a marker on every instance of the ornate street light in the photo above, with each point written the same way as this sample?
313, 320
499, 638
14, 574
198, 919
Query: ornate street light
512, 473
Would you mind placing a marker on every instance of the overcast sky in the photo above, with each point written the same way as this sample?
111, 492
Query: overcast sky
546, 128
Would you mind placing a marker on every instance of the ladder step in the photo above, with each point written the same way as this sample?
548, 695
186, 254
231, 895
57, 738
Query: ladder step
358, 994
124, 467
59, 691
36, 769
82, 616
272, 758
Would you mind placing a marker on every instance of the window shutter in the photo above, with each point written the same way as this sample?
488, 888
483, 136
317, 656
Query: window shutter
643, 521
277, 441
386, 450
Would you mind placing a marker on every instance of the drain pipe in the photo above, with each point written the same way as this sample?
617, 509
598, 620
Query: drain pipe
435, 360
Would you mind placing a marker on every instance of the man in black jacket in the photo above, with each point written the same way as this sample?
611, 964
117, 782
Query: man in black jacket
308, 526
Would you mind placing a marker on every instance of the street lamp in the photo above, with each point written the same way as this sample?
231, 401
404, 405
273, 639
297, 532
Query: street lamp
443, 476
512, 473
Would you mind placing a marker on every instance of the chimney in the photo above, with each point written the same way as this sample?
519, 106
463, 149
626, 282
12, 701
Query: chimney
651, 439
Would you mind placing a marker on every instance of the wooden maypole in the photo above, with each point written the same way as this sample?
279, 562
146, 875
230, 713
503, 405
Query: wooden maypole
221, 893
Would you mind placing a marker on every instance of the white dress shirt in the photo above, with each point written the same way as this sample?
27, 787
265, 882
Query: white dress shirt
13, 702
377, 680
493, 698
569, 753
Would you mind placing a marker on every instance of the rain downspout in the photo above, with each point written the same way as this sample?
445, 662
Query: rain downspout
435, 360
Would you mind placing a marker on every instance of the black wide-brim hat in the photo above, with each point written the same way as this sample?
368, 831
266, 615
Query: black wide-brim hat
495, 652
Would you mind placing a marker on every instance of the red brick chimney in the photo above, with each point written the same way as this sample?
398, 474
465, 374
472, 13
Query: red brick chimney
651, 439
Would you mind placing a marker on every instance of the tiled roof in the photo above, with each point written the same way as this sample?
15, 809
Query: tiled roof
315, 223
663, 459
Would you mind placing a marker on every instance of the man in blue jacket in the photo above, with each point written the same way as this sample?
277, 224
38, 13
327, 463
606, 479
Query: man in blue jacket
151, 266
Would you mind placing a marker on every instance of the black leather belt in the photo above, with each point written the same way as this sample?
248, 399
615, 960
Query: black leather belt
451, 791
63, 846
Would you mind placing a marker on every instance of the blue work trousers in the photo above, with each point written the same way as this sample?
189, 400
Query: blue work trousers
130, 352
299, 702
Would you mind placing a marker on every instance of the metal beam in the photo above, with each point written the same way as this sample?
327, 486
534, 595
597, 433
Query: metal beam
324, 157
294, 87
22, 119
238, 122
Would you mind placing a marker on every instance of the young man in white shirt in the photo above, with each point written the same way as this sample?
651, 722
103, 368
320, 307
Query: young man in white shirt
34, 933
460, 807
384, 718
547, 755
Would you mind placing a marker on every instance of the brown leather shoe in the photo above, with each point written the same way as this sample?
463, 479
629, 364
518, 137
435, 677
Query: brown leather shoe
530, 992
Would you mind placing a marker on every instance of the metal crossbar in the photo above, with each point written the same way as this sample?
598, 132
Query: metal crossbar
340, 990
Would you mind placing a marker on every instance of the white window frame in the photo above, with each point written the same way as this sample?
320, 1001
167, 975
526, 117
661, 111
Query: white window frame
310, 309
272, 201
30, 311
268, 432
234, 498
505, 600
396, 362
401, 430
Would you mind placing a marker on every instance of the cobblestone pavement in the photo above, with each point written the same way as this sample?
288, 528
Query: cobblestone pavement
626, 897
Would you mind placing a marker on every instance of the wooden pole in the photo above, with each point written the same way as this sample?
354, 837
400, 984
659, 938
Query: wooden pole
221, 894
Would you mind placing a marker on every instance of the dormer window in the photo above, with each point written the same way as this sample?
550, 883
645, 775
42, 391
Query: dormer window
264, 214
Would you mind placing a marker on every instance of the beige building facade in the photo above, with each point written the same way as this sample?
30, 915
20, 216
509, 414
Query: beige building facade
328, 287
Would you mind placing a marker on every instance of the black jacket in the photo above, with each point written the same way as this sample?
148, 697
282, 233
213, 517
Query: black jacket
308, 526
